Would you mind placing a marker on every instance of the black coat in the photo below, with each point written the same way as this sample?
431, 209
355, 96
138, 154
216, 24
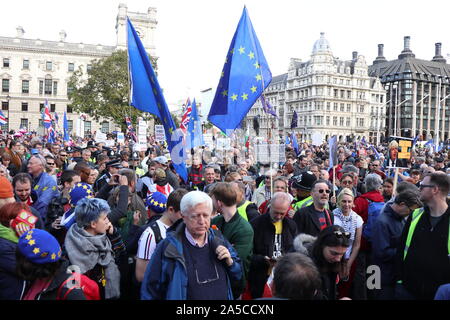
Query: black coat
11, 286
307, 220
263, 245
427, 264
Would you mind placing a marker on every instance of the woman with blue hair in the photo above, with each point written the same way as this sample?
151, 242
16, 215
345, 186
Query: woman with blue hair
92, 244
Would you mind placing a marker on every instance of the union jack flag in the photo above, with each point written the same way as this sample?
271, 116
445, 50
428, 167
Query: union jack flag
186, 116
3, 119
130, 128
47, 117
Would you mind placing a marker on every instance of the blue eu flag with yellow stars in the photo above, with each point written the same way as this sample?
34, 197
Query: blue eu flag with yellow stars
146, 95
244, 77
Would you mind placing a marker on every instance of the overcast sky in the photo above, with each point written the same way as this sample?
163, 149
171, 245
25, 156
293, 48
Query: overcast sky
193, 36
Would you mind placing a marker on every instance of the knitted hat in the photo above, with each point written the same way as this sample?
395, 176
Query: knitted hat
39, 246
156, 202
6, 189
80, 191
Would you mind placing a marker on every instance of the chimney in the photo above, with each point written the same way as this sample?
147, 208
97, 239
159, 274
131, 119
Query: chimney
20, 32
380, 57
437, 53
406, 49
62, 36
355, 55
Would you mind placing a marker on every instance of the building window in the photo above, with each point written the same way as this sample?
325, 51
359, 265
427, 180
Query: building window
5, 85
52, 107
5, 62
105, 127
41, 86
48, 66
24, 106
41, 123
349, 94
89, 67
24, 124
341, 121
69, 90
55, 88
48, 86
334, 121
349, 107
26, 64
25, 86
41, 107
71, 67
347, 122
328, 120
87, 127
342, 107
335, 106
328, 106
69, 108
70, 125
5, 105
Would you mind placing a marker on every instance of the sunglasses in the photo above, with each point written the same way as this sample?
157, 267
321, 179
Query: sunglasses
426, 186
341, 234
322, 191
50, 164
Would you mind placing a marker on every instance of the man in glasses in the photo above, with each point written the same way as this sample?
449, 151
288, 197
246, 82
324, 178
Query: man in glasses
314, 218
387, 231
193, 262
425, 243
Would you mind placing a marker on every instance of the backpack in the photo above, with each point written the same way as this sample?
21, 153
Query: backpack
374, 211
156, 232
90, 288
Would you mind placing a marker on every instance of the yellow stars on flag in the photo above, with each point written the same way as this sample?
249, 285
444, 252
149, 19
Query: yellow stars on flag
36, 250
234, 97
53, 256
162, 205
241, 50
244, 96
224, 93
258, 77
155, 91
28, 237
251, 55
232, 51
253, 89
31, 242
257, 65
171, 130
222, 75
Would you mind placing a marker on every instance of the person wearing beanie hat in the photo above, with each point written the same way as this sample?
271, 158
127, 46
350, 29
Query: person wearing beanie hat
156, 204
6, 191
161, 182
80, 191
39, 261
156, 230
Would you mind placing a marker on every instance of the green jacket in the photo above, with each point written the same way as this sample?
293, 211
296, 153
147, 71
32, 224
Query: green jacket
8, 234
239, 233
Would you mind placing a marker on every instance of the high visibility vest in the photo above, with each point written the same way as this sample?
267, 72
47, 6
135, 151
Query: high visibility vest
242, 210
416, 215
303, 203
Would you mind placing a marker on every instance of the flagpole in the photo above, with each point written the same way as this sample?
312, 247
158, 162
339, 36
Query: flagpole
334, 181
395, 182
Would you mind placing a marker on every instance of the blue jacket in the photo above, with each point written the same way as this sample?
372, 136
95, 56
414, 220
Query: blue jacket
46, 189
386, 235
11, 286
166, 275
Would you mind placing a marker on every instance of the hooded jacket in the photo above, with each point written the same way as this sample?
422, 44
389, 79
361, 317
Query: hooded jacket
166, 276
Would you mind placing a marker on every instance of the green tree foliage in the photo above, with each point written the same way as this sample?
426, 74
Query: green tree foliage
104, 91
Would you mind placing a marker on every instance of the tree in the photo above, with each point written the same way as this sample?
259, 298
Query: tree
105, 91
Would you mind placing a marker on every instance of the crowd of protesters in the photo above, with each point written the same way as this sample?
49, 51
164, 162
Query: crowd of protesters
122, 224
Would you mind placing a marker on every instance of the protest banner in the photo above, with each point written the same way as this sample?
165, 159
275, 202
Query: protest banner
399, 152
160, 134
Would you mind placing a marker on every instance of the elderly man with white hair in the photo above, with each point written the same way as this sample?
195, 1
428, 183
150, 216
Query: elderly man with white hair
194, 262
264, 191
43, 184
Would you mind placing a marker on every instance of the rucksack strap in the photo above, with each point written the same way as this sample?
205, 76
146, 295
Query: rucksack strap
69, 290
156, 232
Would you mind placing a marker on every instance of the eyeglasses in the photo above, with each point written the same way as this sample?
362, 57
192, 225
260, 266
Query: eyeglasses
341, 234
322, 191
347, 182
426, 186
63, 155
207, 280
50, 164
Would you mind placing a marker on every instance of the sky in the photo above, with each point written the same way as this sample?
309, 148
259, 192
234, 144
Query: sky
193, 36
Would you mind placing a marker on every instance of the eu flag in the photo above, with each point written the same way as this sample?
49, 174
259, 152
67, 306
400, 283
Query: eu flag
66, 128
195, 134
146, 95
333, 145
294, 143
244, 77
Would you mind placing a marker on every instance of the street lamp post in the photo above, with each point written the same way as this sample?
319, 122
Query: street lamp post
436, 134
396, 116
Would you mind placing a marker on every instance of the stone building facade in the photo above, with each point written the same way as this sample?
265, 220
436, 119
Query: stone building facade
33, 70
329, 95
